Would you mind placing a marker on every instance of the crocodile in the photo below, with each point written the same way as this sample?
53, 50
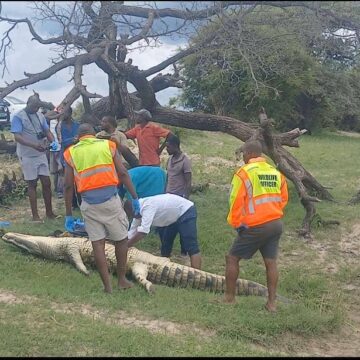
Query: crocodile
146, 268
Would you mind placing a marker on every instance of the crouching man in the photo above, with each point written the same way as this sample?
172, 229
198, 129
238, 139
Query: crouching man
95, 167
172, 214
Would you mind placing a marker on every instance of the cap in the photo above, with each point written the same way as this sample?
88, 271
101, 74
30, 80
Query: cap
145, 113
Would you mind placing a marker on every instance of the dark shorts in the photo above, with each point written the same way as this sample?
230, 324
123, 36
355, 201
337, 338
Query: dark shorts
264, 237
186, 227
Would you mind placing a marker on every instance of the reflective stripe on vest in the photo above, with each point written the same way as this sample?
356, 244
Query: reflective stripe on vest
92, 161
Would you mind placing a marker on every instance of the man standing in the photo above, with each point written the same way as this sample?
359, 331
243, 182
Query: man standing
31, 133
178, 169
109, 131
258, 197
172, 214
95, 166
178, 172
67, 131
148, 136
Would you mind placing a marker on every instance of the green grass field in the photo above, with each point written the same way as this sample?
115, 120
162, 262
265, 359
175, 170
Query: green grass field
317, 275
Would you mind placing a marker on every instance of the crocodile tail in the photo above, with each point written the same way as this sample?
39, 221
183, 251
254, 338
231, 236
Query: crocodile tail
173, 274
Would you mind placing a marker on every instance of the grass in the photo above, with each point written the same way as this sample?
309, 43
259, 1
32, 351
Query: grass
241, 330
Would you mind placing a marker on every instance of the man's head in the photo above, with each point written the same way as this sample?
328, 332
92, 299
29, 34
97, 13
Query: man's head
251, 149
142, 116
108, 123
66, 114
85, 129
172, 144
33, 104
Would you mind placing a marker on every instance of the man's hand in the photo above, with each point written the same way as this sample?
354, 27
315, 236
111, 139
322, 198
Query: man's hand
54, 146
136, 206
69, 223
39, 147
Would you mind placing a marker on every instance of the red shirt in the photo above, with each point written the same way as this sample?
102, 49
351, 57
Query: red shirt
148, 139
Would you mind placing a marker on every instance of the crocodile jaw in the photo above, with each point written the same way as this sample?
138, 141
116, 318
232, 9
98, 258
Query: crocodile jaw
22, 241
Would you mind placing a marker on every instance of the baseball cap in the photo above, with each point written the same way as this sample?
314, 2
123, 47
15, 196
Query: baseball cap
145, 113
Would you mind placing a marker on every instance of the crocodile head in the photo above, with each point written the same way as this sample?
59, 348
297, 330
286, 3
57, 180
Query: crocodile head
26, 242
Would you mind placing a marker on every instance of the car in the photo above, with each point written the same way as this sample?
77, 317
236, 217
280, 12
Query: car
14, 105
4, 114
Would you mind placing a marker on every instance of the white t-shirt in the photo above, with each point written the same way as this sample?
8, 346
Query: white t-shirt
159, 210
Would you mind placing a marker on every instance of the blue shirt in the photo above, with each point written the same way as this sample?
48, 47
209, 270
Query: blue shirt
68, 134
147, 180
67, 137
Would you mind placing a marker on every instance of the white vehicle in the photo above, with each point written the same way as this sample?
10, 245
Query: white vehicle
15, 105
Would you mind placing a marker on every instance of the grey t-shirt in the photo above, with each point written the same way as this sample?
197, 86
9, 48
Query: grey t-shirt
29, 125
176, 170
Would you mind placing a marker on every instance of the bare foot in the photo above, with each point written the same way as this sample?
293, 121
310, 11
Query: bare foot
125, 284
107, 291
36, 219
53, 216
224, 301
270, 307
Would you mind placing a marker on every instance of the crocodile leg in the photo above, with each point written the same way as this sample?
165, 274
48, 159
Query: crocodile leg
75, 258
140, 272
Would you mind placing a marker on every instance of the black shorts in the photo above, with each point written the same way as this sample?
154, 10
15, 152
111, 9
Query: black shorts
264, 237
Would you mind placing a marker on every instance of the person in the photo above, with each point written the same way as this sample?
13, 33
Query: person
172, 214
56, 167
178, 173
67, 130
147, 180
178, 169
31, 133
148, 136
108, 131
258, 197
95, 167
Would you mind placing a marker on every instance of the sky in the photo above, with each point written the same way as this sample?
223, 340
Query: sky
33, 57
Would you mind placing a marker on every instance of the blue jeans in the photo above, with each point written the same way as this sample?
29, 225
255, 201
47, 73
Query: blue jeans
186, 227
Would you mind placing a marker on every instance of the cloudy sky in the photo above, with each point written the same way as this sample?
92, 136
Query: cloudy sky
32, 57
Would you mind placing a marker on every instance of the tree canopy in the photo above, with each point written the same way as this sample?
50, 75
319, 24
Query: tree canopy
302, 69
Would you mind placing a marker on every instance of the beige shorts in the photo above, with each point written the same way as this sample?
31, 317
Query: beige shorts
106, 220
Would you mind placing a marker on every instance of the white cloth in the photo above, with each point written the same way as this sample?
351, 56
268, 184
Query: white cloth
52, 126
159, 210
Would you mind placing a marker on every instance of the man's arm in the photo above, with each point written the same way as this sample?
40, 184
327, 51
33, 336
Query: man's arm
284, 192
187, 177
50, 136
23, 141
136, 238
128, 155
68, 188
161, 148
124, 175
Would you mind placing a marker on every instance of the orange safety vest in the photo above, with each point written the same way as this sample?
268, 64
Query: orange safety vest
92, 161
258, 194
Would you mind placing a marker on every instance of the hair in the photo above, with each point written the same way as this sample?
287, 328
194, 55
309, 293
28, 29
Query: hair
173, 140
252, 147
86, 129
111, 120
